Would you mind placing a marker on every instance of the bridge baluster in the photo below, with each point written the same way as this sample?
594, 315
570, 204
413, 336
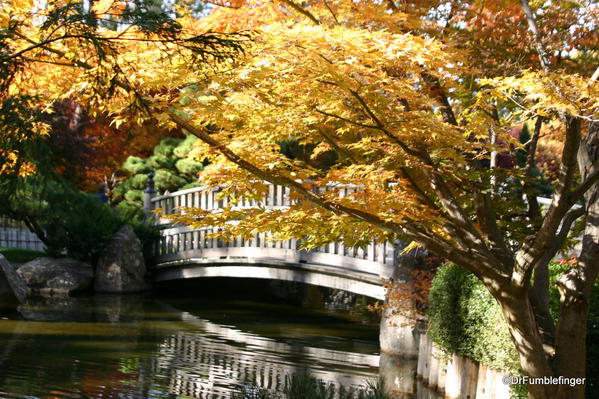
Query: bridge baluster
369, 252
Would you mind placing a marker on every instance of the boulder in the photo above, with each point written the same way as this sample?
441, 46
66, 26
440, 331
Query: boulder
121, 267
12, 285
56, 276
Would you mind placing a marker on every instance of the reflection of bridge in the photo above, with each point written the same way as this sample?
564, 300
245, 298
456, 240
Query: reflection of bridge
212, 361
188, 253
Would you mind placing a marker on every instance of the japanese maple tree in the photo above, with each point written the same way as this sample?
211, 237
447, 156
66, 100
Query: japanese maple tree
413, 100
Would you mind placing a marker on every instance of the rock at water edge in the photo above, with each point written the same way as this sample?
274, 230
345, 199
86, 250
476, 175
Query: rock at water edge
11, 283
56, 276
121, 267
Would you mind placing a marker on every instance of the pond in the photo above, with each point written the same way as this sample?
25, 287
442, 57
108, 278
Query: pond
143, 347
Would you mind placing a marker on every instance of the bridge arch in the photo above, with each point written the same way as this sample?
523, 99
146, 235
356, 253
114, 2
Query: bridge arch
183, 252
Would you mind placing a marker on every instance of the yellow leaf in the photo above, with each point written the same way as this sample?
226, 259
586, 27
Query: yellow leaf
102, 6
411, 246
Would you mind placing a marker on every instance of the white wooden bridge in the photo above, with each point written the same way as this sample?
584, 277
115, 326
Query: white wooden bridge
183, 252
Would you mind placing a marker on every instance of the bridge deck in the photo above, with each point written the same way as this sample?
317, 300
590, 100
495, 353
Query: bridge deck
183, 252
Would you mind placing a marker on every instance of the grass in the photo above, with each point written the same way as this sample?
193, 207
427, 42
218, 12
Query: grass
304, 386
18, 255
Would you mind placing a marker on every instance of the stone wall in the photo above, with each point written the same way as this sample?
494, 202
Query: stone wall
456, 376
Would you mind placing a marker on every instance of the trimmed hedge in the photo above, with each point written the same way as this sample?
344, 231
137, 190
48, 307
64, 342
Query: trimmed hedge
466, 320
174, 169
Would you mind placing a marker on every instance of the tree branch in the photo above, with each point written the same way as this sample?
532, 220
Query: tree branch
302, 11
337, 146
536, 34
436, 244
534, 210
579, 191
535, 246
446, 110
346, 119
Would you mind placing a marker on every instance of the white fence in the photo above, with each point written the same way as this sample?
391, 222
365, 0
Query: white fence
14, 234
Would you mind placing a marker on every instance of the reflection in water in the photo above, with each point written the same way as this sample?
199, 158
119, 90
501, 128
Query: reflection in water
116, 347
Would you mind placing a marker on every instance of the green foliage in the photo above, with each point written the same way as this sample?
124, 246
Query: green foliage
69, 221
161, 162
129, 210
189, 166
147, 233
191, 185
185, 147
134, 195
166, 180
166, 147
465, 319
138, 182
77, 224
172, 168
135, 165
304, 386
18, 255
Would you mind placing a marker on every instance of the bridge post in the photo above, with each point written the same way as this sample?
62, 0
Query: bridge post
149, 193
400, 326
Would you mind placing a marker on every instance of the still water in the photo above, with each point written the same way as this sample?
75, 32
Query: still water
141, 347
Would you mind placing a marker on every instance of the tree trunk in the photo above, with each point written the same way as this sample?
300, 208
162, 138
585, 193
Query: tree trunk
575, 287
519, 314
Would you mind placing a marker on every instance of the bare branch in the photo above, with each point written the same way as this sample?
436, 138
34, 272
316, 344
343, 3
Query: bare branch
579, 191
446, 110
302, 11
536, 35
535, 246
534, 210
331, 11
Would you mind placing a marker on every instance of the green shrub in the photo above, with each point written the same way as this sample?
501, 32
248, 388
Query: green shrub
130, 211
166, 147
134, 195
138, 182
136, 165
18, 255
148, 234
189, 166
162, 162
185, 147
172, 172
465, 319
77, 224
190, 185
165, 180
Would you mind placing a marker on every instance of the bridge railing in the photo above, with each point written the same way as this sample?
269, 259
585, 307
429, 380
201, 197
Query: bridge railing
183, 242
